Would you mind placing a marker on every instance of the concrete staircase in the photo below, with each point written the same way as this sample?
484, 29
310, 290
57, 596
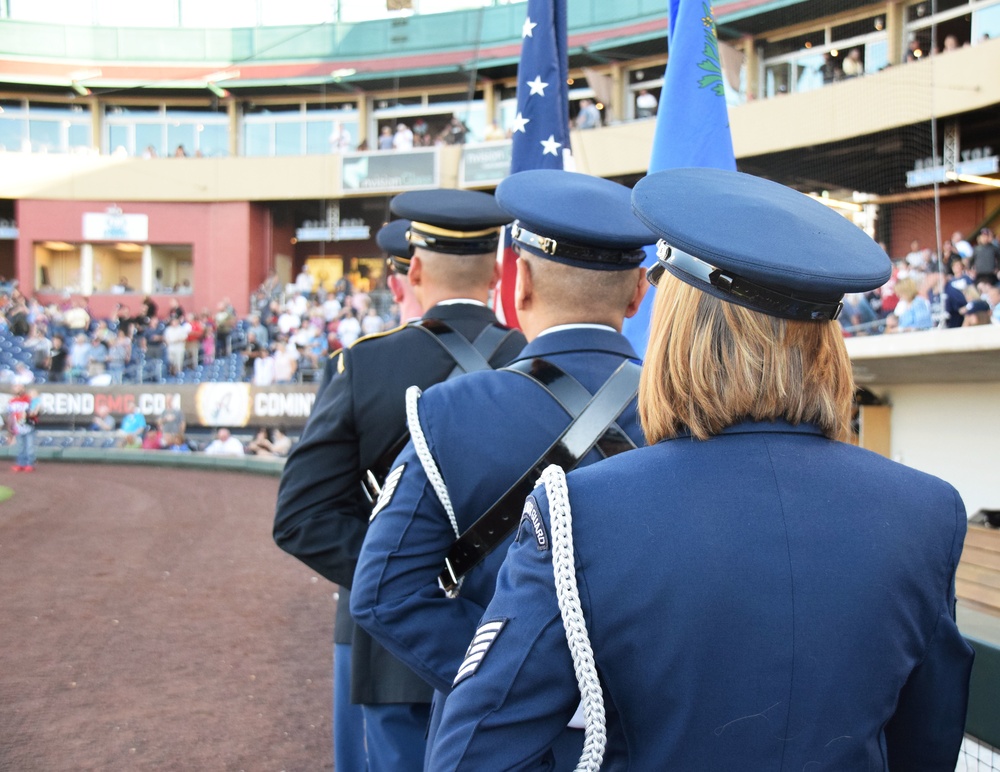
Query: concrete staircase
977, 581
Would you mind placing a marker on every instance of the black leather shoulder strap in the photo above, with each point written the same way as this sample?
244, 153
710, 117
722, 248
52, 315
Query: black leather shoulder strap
583, 433
468, 356
491, 340
572, 397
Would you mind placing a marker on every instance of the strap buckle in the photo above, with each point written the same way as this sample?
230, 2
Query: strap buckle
370, 486
584, 432
544, 243
448, 581
547, 245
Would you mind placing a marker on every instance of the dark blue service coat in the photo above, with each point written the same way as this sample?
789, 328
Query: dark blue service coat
764, 600
321, 514
484, 430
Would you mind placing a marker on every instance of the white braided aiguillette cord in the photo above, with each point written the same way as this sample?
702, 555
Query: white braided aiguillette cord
426, 459
568, 595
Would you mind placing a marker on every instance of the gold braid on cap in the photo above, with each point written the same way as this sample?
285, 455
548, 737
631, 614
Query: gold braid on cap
451, 241
433, 230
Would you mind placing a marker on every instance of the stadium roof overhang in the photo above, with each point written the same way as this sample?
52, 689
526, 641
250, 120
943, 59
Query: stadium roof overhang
411, 67
874, 163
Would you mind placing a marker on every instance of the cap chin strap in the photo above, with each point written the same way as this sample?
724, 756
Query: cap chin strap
554, 248
398, 264
743, 291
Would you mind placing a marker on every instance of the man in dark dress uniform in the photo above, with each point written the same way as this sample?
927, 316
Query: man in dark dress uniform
358, 425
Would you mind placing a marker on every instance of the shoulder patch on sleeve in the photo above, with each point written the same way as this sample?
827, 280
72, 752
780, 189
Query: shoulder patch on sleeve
533, 516
388, 490
485, 635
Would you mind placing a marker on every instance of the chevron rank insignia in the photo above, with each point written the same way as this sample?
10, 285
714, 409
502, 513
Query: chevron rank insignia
481, 642
533, 517
388, 489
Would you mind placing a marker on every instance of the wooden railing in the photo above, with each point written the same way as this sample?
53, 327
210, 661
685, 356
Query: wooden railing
977, 582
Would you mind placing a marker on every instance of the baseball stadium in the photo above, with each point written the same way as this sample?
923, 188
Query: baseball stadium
192, 204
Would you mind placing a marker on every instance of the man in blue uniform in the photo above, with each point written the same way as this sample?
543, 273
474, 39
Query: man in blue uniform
358, 425
749, 592
578, 277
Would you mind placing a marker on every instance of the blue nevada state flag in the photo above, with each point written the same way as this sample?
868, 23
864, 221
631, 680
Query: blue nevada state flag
540, 132
692, 124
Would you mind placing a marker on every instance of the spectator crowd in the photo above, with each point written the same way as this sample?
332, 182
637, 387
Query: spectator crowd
957, 287
285, 338
292, 329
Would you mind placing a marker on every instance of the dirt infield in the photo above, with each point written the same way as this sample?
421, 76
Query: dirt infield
149, 622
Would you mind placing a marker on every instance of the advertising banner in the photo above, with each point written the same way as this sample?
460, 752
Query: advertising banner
485, 164
233, 405
389, 171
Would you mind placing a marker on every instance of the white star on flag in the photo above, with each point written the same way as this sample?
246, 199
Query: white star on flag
519, 123
550, 145
526, 29
536, 86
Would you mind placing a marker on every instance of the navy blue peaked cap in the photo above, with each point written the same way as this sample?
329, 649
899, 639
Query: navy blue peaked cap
458, 222
756, 243
391, 239
574, 219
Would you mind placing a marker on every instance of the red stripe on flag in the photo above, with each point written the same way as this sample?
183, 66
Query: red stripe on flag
507, 310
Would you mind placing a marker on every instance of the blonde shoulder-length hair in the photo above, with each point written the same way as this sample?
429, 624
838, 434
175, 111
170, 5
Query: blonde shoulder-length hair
711, 364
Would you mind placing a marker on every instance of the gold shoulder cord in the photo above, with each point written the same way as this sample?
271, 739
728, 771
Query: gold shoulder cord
375, 335
340, 363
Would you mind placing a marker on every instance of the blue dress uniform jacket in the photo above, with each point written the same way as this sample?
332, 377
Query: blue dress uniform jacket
484, 430
322, 513
764, 600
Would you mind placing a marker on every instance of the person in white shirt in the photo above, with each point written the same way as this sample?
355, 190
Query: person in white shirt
403, 140
286, 361
963, 247
224, 444
302, 337
645, 105
175, 336
853, 65
263, 370
917, 257
304, 282
331, 308
340, 138
22, 374
288, 322
372, 323
349, 328
298, 304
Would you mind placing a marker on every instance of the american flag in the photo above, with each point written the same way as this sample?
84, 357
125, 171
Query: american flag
541, 126
540, 131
